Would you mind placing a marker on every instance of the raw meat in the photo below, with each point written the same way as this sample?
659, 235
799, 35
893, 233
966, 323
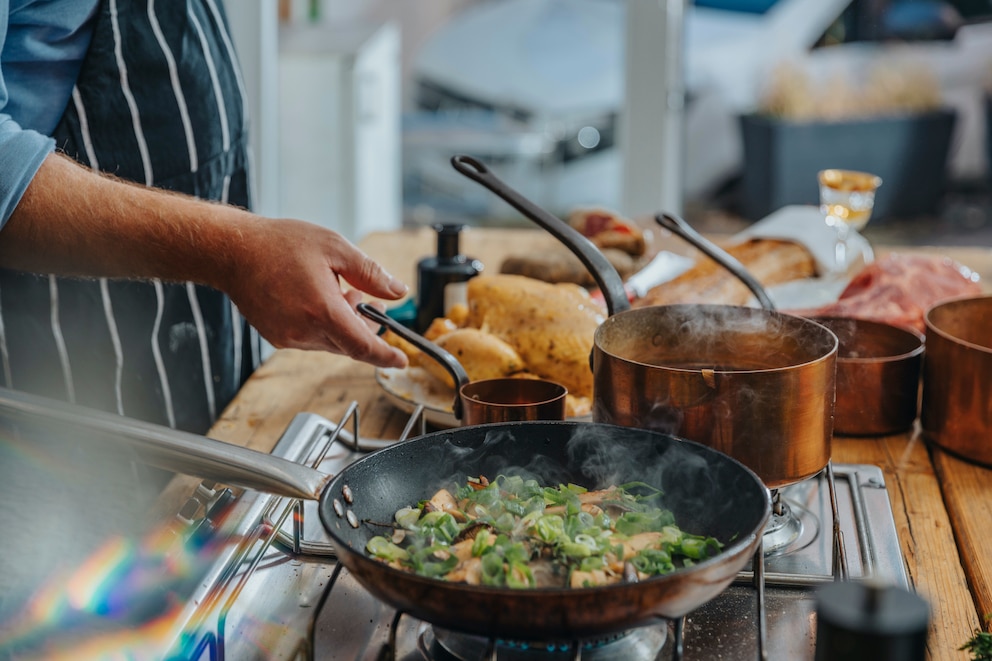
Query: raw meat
900, 288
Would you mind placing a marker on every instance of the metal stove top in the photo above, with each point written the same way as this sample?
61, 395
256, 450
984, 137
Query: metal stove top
274, 592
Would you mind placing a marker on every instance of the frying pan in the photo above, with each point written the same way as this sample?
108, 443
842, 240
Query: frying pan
753, 383
709, 493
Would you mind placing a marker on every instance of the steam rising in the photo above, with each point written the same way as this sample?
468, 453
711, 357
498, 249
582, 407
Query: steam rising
493, 458
707, 491
731, 338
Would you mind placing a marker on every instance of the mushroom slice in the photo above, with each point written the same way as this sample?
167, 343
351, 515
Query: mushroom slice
443, 501
470, 531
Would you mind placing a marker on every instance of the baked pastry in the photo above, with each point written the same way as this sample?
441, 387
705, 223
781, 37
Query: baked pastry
770, 261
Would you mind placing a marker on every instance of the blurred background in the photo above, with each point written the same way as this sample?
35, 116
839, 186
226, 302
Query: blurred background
721, 110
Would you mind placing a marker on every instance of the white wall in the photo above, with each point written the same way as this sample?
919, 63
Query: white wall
325, 119
339, 126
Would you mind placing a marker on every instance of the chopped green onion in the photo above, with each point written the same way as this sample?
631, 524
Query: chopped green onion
519, 531
407, 517
382, 548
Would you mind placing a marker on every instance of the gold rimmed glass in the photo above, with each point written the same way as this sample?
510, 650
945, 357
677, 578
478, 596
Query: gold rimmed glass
847, 198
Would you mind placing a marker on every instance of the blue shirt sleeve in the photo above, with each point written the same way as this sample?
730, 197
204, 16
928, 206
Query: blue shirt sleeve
22, 152
40, 76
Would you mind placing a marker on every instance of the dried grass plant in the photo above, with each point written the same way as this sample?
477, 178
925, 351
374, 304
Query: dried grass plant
887, 89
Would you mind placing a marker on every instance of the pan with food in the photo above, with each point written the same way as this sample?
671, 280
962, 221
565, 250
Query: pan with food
753, 383
708, 494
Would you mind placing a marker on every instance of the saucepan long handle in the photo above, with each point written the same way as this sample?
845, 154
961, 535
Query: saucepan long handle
447, 360
178, 451
606, 276
717, 254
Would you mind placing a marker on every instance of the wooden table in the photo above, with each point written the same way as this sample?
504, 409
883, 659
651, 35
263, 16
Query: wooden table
942, 506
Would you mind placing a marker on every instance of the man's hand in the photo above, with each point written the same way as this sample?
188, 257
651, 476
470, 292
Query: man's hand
296, 282
289, 279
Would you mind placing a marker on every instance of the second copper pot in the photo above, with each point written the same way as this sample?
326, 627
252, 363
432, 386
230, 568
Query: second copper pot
878, 376
755, 384
956, 413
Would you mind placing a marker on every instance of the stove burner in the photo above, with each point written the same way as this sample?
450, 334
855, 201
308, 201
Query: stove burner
791, 527
641, 644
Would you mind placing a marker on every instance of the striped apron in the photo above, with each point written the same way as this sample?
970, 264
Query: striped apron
159, 101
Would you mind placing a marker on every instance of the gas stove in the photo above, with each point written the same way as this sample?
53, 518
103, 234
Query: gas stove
269, 587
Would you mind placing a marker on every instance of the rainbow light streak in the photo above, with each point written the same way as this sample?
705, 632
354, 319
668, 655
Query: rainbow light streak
121, 603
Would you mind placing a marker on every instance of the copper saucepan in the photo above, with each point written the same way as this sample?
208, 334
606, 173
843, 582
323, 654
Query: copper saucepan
755, 384
487, 400
878, 376
956, 413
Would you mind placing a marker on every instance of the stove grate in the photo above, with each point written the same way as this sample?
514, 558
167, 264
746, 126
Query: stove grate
362, 629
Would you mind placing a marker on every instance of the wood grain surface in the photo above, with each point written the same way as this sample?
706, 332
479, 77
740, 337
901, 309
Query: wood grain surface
942, 506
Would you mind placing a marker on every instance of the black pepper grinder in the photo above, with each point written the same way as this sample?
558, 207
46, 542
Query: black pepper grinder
864, 621
441, 279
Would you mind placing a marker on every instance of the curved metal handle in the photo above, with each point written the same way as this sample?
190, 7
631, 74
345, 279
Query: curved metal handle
447, 361
606, 276
717, 254
177, 450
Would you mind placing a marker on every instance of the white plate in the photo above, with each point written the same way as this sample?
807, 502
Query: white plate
806, 294
406, 388
804, 224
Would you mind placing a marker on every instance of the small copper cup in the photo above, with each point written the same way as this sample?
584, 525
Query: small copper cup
878, 376
512, 400
957, 378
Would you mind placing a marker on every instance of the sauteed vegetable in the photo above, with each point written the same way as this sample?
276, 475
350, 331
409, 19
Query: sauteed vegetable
513, 532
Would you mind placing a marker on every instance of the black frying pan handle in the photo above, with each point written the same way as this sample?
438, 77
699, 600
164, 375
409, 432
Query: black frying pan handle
447, 361
717, 254
606, 276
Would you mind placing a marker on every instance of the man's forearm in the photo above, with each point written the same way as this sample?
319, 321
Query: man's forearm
72, 221
296, 282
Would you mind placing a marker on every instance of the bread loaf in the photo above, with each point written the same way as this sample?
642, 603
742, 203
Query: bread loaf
770, 261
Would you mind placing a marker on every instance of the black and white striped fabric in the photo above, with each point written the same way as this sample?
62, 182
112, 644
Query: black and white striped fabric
159, 101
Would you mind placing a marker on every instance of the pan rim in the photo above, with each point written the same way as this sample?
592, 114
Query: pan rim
599, 341
734, 548
946, 307
905, 332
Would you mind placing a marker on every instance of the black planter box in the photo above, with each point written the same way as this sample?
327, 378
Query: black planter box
909, 153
